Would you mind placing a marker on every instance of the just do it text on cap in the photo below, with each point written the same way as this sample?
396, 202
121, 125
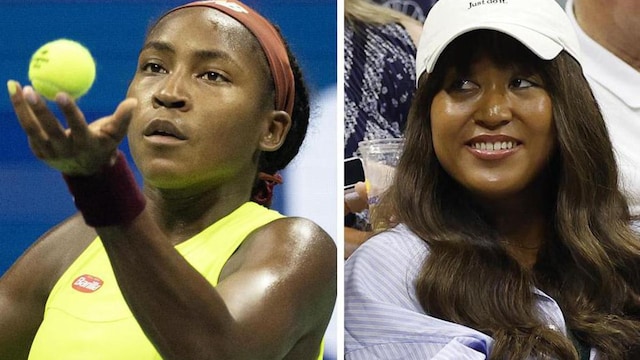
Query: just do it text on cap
540, 25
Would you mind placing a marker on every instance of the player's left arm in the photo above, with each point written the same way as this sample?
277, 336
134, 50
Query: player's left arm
275, 296
281, 286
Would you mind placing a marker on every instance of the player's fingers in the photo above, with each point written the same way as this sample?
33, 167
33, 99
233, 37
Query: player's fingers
122, 117
47, 120
26, 118
41, 150
115, 126
73, 115
39, 141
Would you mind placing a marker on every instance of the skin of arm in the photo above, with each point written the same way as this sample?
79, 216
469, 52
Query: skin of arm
274, 285
25, 287
272, 300
266, 302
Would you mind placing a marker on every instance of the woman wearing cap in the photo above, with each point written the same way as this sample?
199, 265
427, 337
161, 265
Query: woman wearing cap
514, 240
193, 267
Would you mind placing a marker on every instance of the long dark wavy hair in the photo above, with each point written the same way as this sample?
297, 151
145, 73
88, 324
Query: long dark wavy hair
591, 263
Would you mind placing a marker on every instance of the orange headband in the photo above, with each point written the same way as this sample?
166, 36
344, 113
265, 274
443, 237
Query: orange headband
270, 41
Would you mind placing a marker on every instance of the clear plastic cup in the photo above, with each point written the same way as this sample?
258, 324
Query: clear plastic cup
379, 159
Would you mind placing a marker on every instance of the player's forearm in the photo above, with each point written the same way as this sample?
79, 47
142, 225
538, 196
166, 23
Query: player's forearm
178, 309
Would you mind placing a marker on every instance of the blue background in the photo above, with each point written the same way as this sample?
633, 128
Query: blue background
33, 198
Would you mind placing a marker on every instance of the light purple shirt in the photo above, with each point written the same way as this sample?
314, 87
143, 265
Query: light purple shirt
384, 320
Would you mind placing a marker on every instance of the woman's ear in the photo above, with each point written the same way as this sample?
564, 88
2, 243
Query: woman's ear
276, 130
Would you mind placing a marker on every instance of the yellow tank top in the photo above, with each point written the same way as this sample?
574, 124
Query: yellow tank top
86, 316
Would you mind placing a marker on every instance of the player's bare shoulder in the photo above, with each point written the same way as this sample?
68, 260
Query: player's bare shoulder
303, 258
292, 238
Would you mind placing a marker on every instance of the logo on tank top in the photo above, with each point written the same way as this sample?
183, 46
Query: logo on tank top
87, 283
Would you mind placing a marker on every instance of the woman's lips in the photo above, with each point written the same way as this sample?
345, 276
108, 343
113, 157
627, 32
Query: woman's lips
159, 130
493, 147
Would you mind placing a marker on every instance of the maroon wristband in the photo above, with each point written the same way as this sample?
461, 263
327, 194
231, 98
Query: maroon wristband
110, 197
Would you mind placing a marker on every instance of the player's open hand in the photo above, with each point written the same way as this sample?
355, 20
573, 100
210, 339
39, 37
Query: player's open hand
80, 149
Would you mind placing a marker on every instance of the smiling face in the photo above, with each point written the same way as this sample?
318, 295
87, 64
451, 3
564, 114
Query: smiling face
205, 102
492, 127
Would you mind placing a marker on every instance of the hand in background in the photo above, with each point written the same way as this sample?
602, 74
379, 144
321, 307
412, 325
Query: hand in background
355, 201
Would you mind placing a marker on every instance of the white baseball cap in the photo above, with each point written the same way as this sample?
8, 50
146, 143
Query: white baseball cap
540, 25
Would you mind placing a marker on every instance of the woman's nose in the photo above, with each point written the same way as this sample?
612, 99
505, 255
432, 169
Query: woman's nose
494, 109
172, 93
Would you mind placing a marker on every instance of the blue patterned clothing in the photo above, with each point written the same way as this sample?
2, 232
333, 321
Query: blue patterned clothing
379, 62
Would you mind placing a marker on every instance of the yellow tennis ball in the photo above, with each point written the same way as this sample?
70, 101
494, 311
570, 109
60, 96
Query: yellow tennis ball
62, 65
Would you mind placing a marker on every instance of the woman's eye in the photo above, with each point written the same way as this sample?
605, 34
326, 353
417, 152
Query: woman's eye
154, 68
521, 83
462, 84
213, 76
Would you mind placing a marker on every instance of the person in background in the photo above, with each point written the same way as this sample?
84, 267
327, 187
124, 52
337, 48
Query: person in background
417, 9
379, 77
514, 240
194, 266
609, 35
